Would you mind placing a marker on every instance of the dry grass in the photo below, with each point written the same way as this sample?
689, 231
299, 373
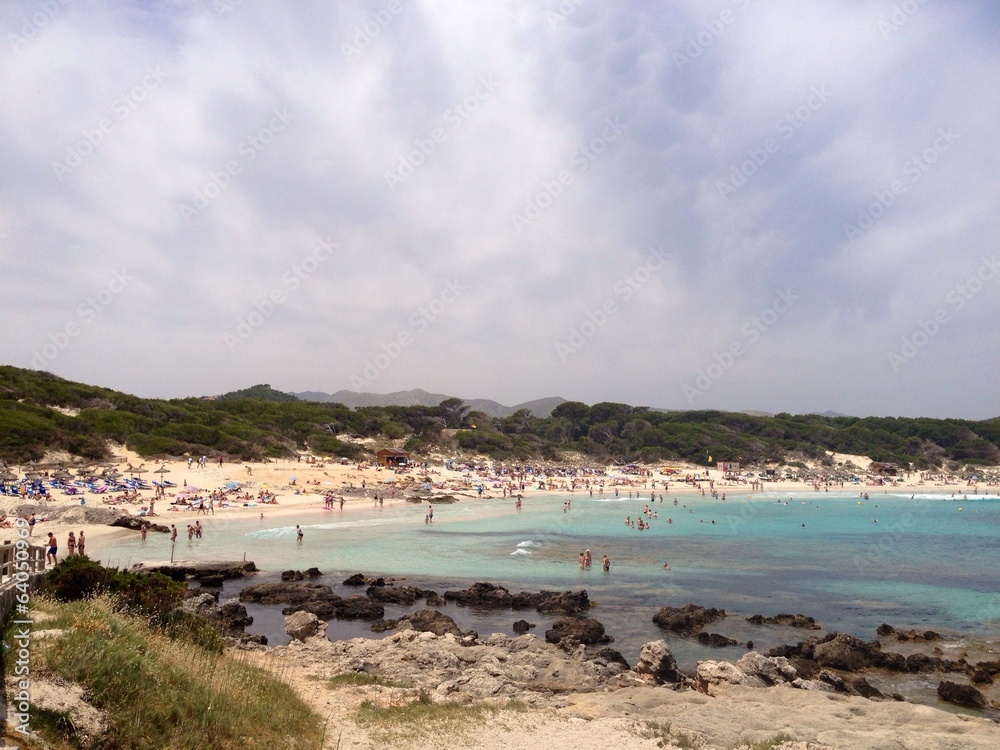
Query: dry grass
165, 692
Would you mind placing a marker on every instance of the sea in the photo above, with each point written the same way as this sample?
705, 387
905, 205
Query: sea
924, 561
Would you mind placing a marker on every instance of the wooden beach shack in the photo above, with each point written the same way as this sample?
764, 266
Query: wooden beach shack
391, 457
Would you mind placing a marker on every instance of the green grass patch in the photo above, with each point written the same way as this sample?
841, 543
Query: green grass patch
161, 692
357, 679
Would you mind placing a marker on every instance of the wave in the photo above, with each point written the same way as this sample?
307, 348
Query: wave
529, 543
520, 552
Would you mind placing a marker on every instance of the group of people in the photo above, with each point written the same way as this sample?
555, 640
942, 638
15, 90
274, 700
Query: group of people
586, 560
74, 545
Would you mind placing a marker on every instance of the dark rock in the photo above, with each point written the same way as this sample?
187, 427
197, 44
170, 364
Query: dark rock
136, 522
522, 626
749, 645
609, 657
834, 681
359, 607
356, 580
794, 621
981, 676
843, 651
380, 626
862, 687
435, 599
891, 661
885, 629
961, 695
688, 619
715, 640
491, 596
285, 593
212, 581
568, 602
921, 663
298, 575
481, 594
404, 595
585, 630
432, 621
234, 615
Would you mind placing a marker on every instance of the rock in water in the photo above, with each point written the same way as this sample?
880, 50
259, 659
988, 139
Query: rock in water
586, 630
432, 621
688, 619
961, 695
302, 625
522, 626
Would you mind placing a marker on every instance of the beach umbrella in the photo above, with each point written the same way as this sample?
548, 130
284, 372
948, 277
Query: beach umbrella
61, 474
161, 471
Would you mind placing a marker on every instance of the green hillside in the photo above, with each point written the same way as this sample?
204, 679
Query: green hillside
260, 422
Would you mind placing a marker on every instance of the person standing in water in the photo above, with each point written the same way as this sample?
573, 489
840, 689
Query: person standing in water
298, 532
606, 563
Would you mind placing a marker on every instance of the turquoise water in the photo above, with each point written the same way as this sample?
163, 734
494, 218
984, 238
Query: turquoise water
928, 562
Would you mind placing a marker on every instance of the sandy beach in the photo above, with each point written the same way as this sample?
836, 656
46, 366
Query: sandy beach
301, 485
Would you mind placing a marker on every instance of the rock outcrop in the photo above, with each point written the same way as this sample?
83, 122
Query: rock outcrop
657, 664
792, 621
687, 620
491, 596
302, 625
961, 695
585, 630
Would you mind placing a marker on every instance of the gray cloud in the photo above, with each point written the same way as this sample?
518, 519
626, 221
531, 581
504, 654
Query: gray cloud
205, 148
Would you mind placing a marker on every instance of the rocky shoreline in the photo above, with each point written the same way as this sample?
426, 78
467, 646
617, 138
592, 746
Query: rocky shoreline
573, 655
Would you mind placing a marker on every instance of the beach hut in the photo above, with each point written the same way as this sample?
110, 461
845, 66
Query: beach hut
390, 457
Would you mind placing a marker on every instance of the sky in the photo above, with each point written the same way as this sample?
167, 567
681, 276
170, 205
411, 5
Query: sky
728, 204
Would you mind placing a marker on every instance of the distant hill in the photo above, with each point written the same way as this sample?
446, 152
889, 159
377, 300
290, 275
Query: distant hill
541, 407
265, 392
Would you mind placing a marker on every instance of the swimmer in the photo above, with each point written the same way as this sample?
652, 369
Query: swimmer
666, 566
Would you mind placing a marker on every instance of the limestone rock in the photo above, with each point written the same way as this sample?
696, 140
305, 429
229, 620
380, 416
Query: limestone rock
302, 625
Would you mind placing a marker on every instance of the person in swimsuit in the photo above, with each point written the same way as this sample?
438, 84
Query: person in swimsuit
80, 543
53, 549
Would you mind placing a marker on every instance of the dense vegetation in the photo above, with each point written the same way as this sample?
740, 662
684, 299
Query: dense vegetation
260, 422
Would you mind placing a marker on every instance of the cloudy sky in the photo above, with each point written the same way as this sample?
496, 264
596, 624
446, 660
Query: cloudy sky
722, 204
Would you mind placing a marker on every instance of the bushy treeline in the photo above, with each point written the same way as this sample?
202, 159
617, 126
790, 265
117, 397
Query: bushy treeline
621, 432
267, 423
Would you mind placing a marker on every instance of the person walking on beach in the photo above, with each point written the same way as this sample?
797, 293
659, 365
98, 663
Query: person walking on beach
31, 524
80, 544
52, 549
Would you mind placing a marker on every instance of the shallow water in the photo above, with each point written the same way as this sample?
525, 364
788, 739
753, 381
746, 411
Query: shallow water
928, 562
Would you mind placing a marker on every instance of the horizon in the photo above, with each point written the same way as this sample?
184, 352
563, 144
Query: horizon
722, 206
